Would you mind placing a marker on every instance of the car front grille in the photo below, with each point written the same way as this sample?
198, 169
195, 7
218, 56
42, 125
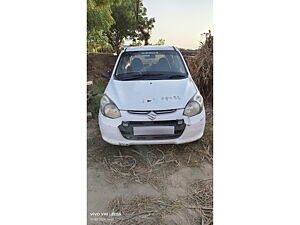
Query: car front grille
144, 112
126, 129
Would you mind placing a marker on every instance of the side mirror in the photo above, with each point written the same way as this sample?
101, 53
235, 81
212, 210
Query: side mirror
105, 74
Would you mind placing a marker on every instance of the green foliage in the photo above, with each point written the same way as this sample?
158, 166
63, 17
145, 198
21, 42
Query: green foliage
97, 42
124, 26
99, 19
160, 42
98, 15
136, 43
144, 25
110, 22
94, 102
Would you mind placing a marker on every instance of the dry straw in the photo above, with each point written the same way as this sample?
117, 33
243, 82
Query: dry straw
201, 67
196, 208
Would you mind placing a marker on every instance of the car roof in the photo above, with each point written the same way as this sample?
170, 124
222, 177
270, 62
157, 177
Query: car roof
148, 48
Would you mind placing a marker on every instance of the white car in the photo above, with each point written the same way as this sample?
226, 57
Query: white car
151, 98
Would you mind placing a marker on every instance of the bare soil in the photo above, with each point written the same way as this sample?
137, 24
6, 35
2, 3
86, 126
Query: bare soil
150, 184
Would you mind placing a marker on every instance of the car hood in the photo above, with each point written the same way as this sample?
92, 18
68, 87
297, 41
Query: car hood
151, 94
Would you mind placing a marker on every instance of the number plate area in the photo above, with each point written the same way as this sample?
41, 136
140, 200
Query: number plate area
153, 130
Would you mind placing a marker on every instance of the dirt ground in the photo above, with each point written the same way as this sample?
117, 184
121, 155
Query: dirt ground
150, 185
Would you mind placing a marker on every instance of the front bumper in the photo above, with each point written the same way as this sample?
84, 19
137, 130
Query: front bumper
188, 130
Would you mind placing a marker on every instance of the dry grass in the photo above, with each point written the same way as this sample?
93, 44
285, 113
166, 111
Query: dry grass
196, 208
201, 195
151, 164
201, 67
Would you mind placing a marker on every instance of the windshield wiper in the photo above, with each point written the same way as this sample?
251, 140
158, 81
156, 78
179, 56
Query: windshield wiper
136, 76
177, 76
133, 77
152, 76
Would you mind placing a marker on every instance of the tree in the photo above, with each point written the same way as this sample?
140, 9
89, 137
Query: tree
98, 15
136, 43
160, 42
124, 26
99, 20
144, 24
110, 22
131, 22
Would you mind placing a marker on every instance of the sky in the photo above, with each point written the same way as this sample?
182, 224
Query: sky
180, 22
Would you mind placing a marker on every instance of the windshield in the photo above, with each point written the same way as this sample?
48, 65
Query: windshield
150, 65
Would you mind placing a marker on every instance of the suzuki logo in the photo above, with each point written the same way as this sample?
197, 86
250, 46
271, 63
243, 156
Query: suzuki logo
152, 116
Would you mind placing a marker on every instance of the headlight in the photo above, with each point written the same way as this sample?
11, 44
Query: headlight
111, 111
194, 106
108, 108
104, 101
